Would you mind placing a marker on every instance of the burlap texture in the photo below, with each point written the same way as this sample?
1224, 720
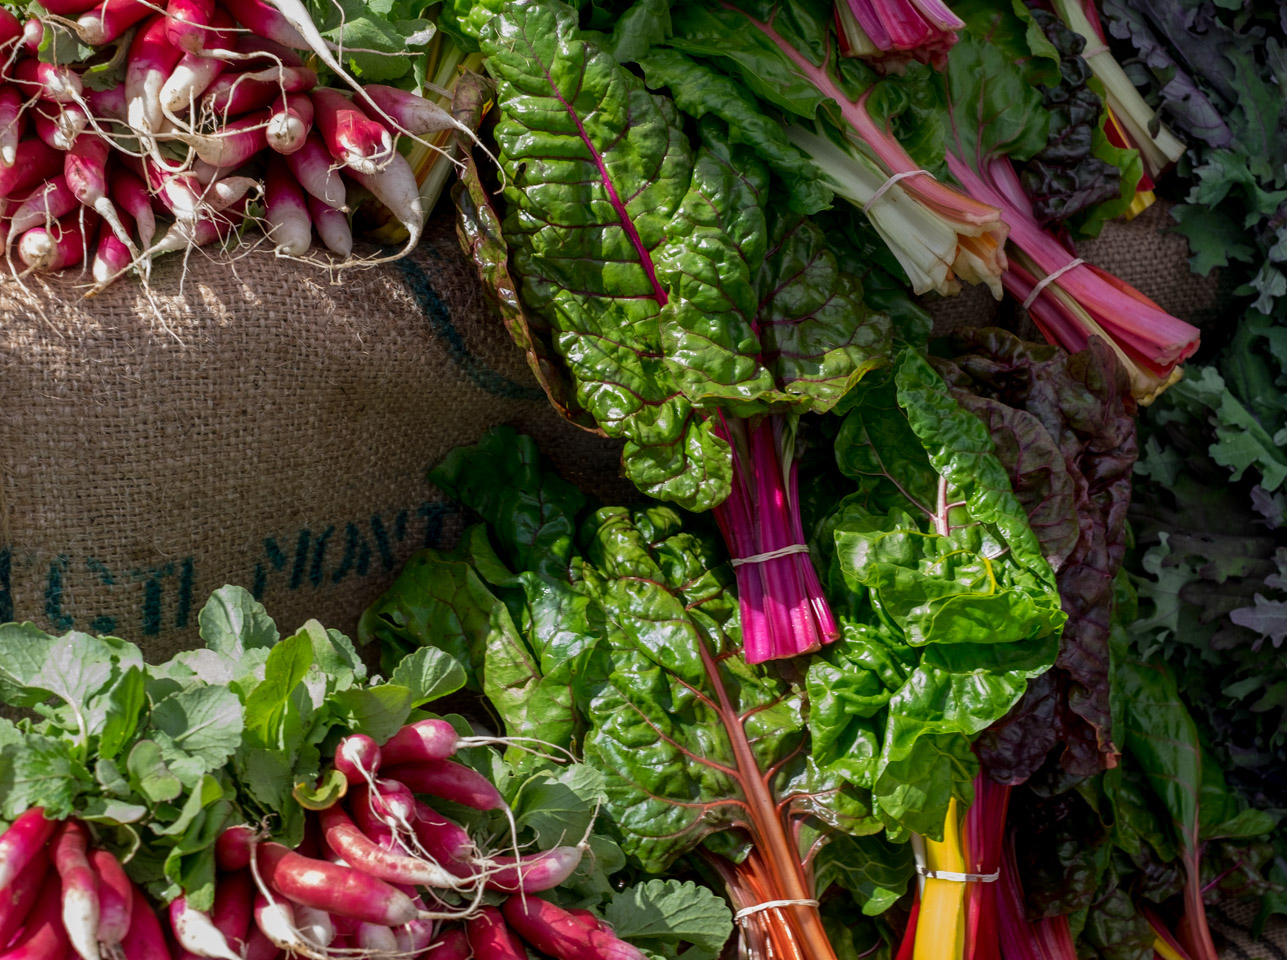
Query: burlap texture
267, 429
1138, 251
1231, 926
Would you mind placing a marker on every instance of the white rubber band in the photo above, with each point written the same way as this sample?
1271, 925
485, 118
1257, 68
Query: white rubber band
884, 187
771, 555
1094, 51
771, 905
1049, 279
958, 877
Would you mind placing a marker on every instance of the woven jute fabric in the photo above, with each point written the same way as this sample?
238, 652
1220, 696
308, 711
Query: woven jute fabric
1231, 928
1141, 251
266, 428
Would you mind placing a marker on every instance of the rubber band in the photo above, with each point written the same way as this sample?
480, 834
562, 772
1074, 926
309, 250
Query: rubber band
1049, 279
955, 877
771, 905
771, 555
884, 187
1094, 51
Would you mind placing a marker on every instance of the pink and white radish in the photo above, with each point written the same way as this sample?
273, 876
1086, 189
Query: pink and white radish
108, 19
111, 257
234, 907
19, 897
187, 23
130, 193
221, 194
395, 186
400, 111
335, 889
233, 848
146, 940
332, 226
51, 201
10, 33
107, 104
444, 840
555, 932
256, 50
422, 740
115, 892
448, 779
352, 138
49, 81
312, 166
286, 212
532, 872
195, 932
315, 926
290, 119
259, 947
451, 944
276, 920
234, 143
267, 22
80, 905
13, 123
357, 757
152, 58
197, 70
35, 161
33, 36
85, 167
491, 939
362, 853
377, 939
233, 94
44, 937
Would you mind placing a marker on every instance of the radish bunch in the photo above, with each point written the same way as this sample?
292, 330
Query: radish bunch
216, 120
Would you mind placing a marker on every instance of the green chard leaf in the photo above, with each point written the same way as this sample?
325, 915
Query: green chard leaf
662, 915
643, 252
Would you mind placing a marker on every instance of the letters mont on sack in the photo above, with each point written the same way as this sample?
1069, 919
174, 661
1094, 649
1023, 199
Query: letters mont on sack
163, 597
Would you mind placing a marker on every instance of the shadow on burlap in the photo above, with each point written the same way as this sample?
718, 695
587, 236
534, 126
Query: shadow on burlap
267, 429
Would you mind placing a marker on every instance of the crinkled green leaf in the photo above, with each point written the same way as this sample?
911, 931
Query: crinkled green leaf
39, 771
874, 870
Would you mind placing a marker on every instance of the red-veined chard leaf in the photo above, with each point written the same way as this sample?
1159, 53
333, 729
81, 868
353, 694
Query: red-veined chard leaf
659, 265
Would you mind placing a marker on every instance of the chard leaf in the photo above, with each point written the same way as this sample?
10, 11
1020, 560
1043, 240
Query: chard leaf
643, 252
379, 712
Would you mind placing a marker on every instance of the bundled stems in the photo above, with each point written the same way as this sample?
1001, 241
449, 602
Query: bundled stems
784, 612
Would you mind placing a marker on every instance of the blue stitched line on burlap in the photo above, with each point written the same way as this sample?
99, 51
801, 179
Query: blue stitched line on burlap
439, 317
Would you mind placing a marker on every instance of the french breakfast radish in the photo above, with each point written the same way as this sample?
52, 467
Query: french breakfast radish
234, 907
33, 36
448, 779
316, 926
23, 842
233, 848
352, 138
395, 186
111, 257
259, 947
555, 932
363, 853
490, 938
357, 757
198, 69
18, 898
373, 937
450, 944
115, 895
196, 933
335, 889
52, 200
132, 196
108, 19
286, 212
107, 104
332, 226
152, 59
44, 937
289, 121
85, 167
267, 22
13, 122
422, 740
234, 143
51, 81
80, 908
312, 166
444, 840
256, 51
233, 94
187, 23
146, 940
406, 112
36, 161
276, 921
532, 872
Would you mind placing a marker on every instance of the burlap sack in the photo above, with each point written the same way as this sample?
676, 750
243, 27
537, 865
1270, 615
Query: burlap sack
1139, 251
267, 429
